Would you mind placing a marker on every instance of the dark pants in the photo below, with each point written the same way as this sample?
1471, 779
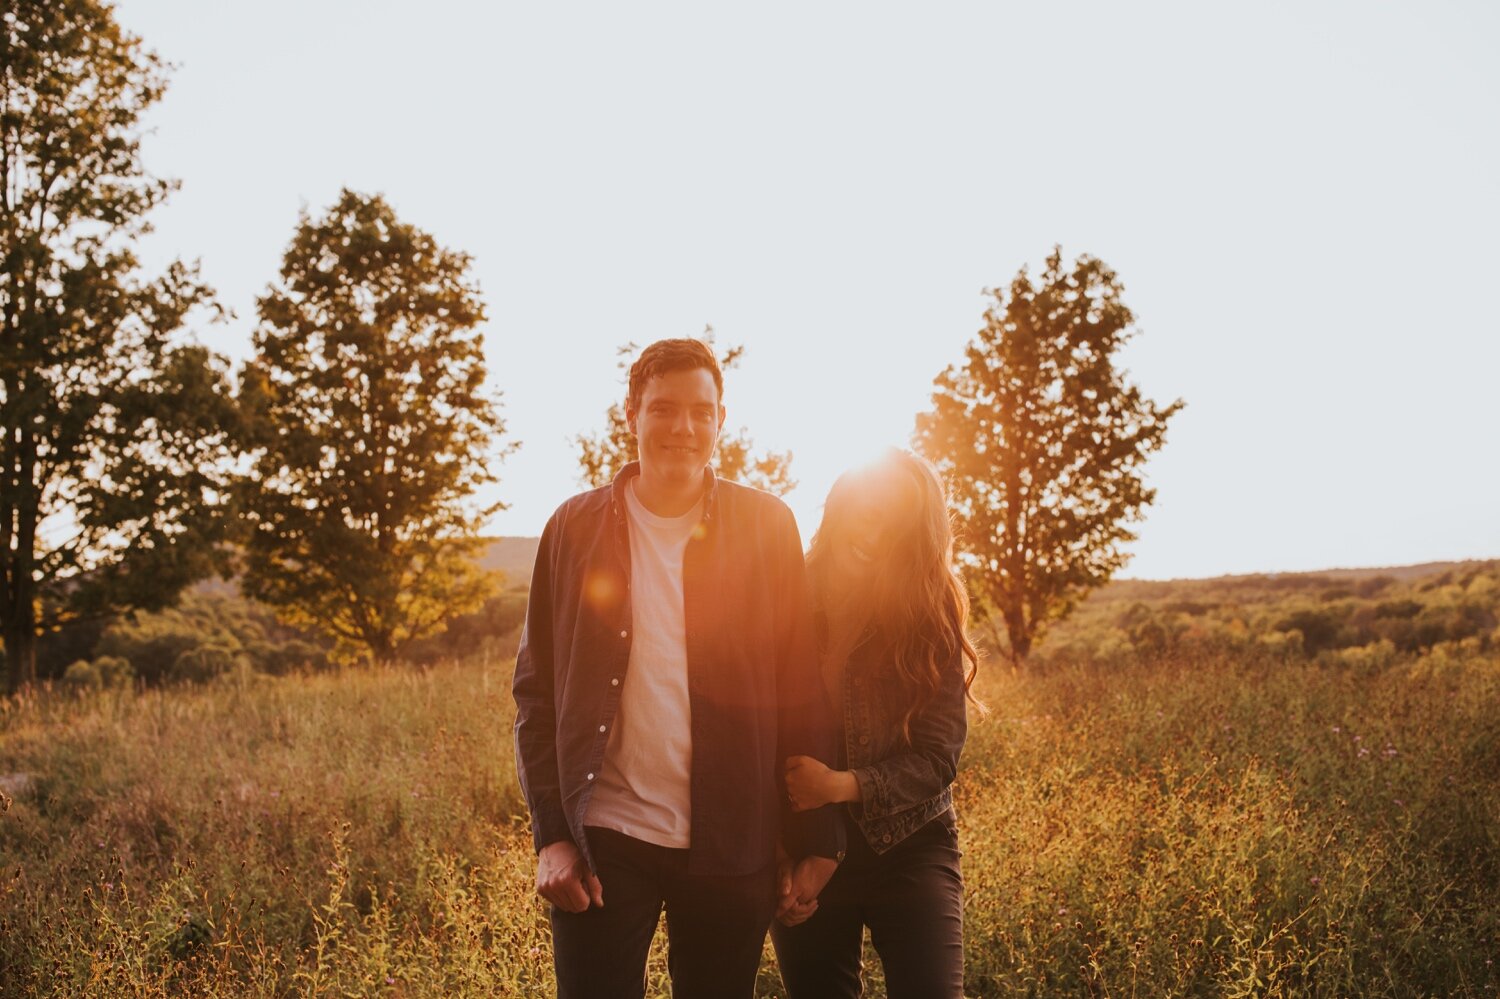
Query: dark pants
910, 897
716, 926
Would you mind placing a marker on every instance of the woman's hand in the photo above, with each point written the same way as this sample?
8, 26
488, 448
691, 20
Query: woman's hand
810, 784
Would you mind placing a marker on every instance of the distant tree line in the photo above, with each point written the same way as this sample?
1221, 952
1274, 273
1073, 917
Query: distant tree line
1369, 621
217, 634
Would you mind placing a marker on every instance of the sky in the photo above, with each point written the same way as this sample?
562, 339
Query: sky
1302, 201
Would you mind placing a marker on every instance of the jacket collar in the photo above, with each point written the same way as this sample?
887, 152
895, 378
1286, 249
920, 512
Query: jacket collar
630, 471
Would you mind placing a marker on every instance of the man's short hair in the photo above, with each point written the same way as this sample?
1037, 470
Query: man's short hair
679, 354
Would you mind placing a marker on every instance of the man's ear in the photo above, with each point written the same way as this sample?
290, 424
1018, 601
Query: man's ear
630, 415
722, 413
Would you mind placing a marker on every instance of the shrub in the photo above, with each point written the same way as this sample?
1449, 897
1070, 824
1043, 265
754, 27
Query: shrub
83, 674
105, 672
207, 661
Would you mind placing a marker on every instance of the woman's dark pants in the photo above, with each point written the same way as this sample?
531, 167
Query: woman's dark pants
910, 897
716, 926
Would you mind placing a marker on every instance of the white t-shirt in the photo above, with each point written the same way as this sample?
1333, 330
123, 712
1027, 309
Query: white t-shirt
644, 788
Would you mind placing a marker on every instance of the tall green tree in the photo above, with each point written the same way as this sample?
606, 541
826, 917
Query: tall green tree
373, 433
1042, 439
115, 434
602, 455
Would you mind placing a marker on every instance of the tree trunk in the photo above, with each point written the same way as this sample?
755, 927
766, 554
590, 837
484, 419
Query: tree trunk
1018, 632
20, 648
382, 648
18, 611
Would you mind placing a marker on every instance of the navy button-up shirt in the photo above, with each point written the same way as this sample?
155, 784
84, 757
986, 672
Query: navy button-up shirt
753, 682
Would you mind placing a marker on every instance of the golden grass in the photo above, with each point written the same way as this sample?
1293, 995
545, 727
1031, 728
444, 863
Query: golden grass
1198, 828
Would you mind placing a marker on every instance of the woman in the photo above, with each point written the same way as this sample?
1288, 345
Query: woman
898, 665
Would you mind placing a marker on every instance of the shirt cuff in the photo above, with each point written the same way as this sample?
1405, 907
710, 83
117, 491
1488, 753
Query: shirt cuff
548, 829
872, 797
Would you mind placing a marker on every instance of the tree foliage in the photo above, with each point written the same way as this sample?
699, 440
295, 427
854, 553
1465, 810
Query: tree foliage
1042, 439
373, 432
115, 436
601, 456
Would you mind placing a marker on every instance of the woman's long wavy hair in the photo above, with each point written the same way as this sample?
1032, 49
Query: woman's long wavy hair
912, 596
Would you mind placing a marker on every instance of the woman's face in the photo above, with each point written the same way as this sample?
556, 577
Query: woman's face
864, 539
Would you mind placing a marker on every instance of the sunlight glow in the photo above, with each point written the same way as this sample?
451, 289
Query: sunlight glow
815, 478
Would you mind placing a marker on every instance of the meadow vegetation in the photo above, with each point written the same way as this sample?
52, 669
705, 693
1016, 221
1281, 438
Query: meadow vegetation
1183, 823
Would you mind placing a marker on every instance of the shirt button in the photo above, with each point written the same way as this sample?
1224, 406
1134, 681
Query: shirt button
624, 634
591, 777
864, 740
601, 728
884, 839
615, 682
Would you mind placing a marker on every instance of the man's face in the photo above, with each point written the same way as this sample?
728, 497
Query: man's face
676, 424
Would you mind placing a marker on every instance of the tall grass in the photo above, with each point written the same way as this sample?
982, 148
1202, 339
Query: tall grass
1198, 828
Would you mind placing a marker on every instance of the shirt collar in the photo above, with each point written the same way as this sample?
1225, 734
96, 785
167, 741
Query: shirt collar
630, 471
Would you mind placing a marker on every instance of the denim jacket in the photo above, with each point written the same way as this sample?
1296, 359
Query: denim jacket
902, 785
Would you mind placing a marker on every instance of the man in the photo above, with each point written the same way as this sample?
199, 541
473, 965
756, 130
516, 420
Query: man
667, 670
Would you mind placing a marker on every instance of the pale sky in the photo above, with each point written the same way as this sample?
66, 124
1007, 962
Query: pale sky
1302, 200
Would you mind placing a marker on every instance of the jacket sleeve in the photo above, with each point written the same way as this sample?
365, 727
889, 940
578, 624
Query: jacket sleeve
806, 725
930, 763
536, 711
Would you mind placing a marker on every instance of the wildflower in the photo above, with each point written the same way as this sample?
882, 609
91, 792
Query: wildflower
389, 980
1363, 751
1338, 728
1315, 880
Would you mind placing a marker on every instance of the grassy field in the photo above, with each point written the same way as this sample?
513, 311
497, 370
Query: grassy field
1206, 827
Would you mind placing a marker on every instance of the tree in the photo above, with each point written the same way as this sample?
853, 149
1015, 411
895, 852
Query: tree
603, 455
1041, 439
115, 435
373, 431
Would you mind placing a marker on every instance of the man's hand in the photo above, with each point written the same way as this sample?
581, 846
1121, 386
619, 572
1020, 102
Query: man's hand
810, 784
563, 879
800, 885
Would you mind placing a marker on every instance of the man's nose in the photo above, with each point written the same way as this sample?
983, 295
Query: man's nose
682, 424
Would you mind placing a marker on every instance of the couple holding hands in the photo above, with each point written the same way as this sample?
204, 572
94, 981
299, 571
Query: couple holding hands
709, 723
